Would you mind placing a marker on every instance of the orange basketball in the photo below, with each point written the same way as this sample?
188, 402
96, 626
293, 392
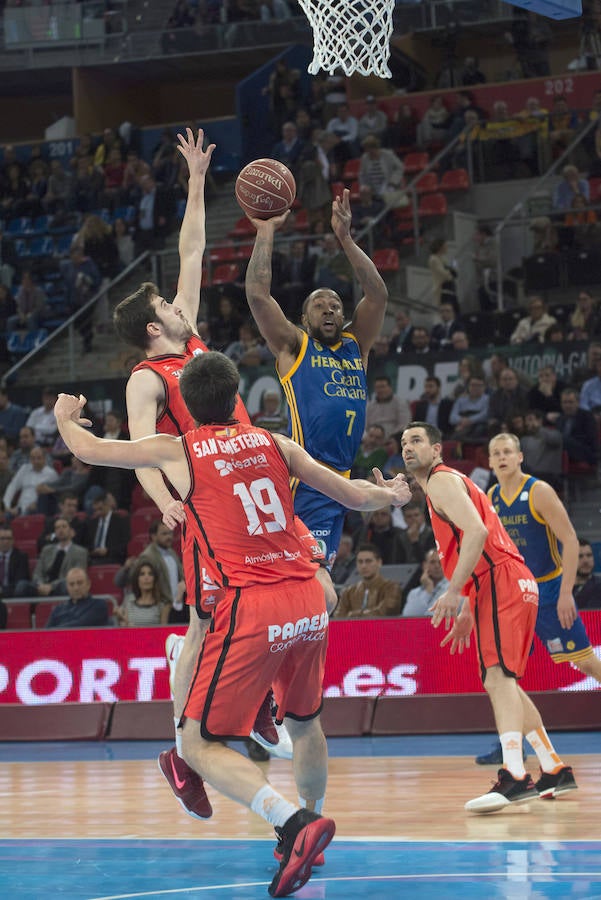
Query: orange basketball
265, 188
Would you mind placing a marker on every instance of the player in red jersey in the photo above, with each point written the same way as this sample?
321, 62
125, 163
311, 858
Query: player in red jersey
481, 562
270, 625
167, 334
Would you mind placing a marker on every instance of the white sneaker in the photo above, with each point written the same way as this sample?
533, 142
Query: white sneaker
173, 648
283, 748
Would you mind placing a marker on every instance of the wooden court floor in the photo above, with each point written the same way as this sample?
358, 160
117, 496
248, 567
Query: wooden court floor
102, 826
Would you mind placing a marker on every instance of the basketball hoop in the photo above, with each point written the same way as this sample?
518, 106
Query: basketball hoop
352, 35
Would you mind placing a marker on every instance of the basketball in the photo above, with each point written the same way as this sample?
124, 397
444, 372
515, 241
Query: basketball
265, 188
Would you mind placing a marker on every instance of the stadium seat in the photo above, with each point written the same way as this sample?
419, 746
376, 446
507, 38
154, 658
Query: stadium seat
244, 252
136, 544
427, 184
41, 224
102, 579
596, 545
432, 206
242, 229
141, 520
351, 170
301, 220
19, 227
222, 253
337, 188
354, 189
226, 273
27, 528
19, 615
584, 267
455, 180
386, 260
415, 162
595, 189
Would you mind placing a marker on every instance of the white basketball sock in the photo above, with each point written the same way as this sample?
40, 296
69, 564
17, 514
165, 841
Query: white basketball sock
511, 742
272, 807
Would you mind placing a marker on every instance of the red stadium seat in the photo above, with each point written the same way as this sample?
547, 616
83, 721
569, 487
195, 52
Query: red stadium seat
386, 260
432, 205
354, 189
301, 220
19, 615
137, 543
27, 528
337, 188
242, 229
222, 254
595, 189
455, 180
351, 170
142, 518
30, 547
415, 162
102, 579
226, 273
427, 183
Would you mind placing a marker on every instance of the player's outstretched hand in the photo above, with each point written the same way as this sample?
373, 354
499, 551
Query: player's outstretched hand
174, 513
401, 492
272, 224
341, 215
459, 635
192, 150
68, 407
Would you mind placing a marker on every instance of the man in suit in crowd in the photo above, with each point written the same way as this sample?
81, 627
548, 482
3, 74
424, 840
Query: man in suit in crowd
578, 428
53, 564
14, 566
433, 408
81, 610
107, 534
68, 507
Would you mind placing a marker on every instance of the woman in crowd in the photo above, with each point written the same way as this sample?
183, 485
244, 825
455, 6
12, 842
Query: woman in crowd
143, 605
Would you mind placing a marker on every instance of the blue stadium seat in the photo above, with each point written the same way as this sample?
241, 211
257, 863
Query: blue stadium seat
41, 224
18, 227
41, 246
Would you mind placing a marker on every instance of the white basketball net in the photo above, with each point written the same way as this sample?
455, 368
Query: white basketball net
352, 35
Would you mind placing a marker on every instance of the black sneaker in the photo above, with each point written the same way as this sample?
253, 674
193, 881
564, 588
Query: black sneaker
495, 756
507, 790
255, 751
551, 785
304, 836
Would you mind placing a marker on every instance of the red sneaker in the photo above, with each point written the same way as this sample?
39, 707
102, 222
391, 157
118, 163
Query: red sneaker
273, 738
304, 836
186, 784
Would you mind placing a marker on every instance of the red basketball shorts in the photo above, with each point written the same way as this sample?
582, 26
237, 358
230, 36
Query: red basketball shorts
504, 604
260, 637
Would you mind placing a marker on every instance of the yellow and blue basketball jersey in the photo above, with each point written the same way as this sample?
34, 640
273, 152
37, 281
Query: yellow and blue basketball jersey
538, 545
326, 391
530, 533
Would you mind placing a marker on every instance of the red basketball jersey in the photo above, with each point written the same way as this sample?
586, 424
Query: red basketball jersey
499, 547
239, 511
175, 418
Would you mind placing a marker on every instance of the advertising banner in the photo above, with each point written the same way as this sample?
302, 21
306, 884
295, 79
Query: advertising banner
392, 658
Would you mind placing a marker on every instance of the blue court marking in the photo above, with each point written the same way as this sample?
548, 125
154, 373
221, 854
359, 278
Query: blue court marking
242, 870
566, 744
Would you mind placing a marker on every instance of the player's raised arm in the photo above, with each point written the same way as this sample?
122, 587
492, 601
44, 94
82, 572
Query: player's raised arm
355, 493
158, 450
192, 236
369, 313
279, 333
143, 397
